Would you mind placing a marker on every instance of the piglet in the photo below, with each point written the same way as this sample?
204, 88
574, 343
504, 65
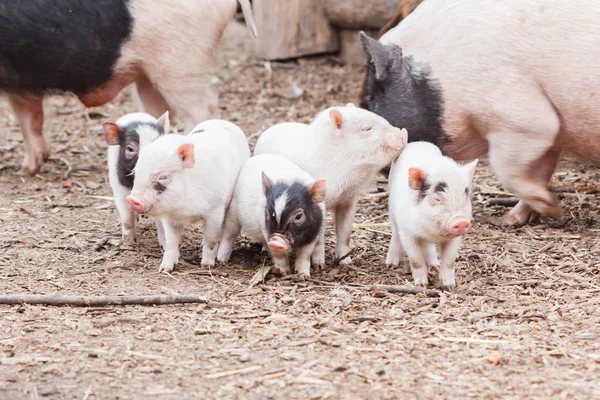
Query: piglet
189, 178
125, 139
344, 145
429, 205
278, 204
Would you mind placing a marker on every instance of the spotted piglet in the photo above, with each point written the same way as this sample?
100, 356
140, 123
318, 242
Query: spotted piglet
125, 139
278, 204
429, 205
190, 178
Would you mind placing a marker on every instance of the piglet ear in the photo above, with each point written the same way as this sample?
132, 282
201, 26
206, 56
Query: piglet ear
186, 153
164, 122
317, 192
350, 105
336, 118
470, 169
111, 133
267, 183
416, 178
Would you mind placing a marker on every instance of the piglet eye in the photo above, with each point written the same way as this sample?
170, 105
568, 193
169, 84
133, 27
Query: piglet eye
130, 149
367, 129
299, 218
163, 177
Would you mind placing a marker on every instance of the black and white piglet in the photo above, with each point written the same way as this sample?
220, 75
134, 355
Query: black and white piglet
125, 139
278, 204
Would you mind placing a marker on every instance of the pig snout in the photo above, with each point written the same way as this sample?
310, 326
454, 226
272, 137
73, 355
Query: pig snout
396, 138
278, 245
459, 226
135, 204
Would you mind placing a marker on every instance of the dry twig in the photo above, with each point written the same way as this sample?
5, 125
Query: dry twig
85, 301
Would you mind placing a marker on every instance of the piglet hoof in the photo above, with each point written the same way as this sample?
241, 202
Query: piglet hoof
318, 265
435, 267
128, 239
421, 284
301, 277
449, 287
207, 263
166, 268
346, 261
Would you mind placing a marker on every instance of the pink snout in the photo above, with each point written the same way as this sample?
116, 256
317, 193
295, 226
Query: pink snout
135, 205
278, 245
397, 138
460, 227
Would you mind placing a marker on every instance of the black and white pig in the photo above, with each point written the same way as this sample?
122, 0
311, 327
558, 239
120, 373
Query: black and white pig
187, 178
497, 77
278, 204
125, 139
96, 48
429, 205
346, 146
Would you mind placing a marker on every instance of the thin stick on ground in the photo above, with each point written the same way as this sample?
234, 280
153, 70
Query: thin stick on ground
503, 201
85, 301
348, 254
387, 288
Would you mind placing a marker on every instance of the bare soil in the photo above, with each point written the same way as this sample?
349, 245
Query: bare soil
524, 321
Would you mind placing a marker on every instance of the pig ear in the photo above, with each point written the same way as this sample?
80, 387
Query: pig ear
350, 105
470, 169
111, 133
416, 178
164, 122
186, 153
378, 54
317, 192
266, 182
336, 118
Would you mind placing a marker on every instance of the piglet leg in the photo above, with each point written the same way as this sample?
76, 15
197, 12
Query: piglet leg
394, 255
128, 217
172, 238
344, 217
318, 255
30, 114
432, 259
448, 252
303, 260
213, 225
160, 232
231, 231
415, 250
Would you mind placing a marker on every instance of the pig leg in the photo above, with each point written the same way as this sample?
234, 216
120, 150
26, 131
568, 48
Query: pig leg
282, 263
194, 98
432, 259
152, 101
231, 231
522, 213
128, 217
172, 238
318, 255
213, 228
448, 250
415, 250
344, 217
303, 260
29, 111
160, 232
394, 255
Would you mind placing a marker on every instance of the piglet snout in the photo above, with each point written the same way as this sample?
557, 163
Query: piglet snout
135, 205
397, 138
278, 245
460, 227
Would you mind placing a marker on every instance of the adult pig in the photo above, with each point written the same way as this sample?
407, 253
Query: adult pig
519, 80
96, 48
188, 178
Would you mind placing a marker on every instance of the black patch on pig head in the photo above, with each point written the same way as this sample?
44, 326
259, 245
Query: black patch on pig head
440, 187
402, 91
298, 198
423, 191
129, 148
69, 45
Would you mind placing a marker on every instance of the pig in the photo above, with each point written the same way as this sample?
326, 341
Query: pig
125, 139
346, 146
95, 49
188, 178
278, 204
405, 7
429, 205
497, 77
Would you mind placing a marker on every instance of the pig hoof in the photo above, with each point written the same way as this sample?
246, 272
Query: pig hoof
318, 265
421, 284
302, 277
449, 287
128, 240
346, 261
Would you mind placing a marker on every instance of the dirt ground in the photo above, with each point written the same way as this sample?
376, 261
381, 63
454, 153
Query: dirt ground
524, 321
